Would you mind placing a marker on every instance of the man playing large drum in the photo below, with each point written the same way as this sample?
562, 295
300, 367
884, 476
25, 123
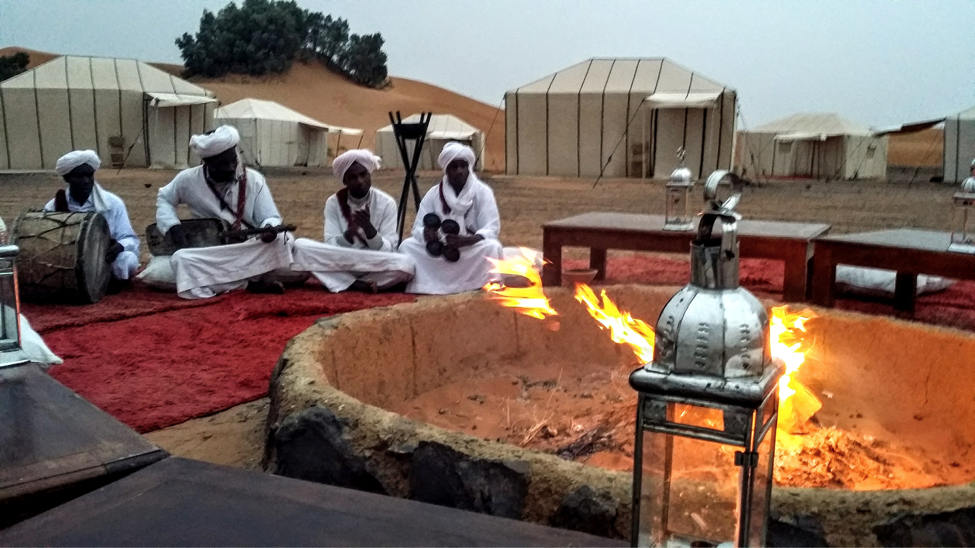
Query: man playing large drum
223, 188
84, 194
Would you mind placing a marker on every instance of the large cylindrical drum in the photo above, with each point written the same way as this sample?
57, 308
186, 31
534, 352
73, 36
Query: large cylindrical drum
62, 256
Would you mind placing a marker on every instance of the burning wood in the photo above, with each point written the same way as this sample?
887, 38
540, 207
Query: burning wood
529, 300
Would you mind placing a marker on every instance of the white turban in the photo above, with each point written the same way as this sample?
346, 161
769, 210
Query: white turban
214, 142
77, 158
455, 151
361, 156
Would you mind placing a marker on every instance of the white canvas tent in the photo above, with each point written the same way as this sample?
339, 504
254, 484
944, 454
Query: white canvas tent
959, 146
121, 108
815, 146
629, 115
272, 134
443, 128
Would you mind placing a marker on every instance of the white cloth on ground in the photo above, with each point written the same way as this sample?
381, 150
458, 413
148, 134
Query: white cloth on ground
113, 209
203, 272
878, 283
337, 263
31, 342
75, 158
476, 211
214, 142
159, 273
207, 271
362, 156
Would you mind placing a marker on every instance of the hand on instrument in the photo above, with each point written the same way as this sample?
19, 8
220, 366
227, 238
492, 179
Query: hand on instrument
269, 234
431, 234
362, 219
457, 241
114, 248
178, 235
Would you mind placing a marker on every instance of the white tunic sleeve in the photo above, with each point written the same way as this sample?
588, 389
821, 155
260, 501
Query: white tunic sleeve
427, 205
265, 212
488, 219
334, 223
384, 219
167, 200
120, 226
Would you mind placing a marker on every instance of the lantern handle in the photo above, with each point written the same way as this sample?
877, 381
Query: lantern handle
727, 207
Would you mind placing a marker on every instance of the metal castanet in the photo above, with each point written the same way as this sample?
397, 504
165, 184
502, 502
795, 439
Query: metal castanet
62, 256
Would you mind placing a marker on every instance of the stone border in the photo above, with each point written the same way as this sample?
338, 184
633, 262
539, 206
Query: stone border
318, 432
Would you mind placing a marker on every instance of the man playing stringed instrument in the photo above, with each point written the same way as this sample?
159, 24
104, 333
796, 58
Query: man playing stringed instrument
359, 252
222, 187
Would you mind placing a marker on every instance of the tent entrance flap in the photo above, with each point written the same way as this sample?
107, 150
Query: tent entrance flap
692, 99
162, 100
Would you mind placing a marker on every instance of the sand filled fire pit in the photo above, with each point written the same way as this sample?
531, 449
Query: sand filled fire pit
461, 402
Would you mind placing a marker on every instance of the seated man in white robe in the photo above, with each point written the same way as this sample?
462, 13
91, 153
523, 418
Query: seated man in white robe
455, 260
223, 188
359, 252
84, 194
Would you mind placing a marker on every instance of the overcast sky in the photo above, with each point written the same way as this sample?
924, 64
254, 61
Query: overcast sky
876, 62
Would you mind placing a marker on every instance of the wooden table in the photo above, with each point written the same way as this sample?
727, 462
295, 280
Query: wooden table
784, 241
55, 446
180, 502
907, 251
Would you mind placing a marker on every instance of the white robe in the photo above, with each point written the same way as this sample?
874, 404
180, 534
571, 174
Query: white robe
338, 263
113, 209
436, 276
207, 271
968, 185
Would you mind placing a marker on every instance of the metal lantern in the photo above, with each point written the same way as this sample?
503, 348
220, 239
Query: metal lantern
10, 350
679, 187
708, 403
963, 236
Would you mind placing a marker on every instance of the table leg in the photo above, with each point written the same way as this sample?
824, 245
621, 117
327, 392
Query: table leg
905, 292
794, 286
552, 266
597, 260
824, 278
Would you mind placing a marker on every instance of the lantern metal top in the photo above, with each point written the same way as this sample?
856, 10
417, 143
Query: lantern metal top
712, 338
682, 176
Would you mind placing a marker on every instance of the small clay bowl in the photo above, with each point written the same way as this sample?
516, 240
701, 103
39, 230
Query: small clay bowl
572, 276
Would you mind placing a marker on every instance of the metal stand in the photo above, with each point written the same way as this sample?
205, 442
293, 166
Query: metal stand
416, 132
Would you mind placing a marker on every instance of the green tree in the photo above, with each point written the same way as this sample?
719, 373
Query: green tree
12, 65
364, 60
259, 37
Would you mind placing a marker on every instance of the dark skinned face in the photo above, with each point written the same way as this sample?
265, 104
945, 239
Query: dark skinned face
358, 180
457, 172
222, 168
80, 182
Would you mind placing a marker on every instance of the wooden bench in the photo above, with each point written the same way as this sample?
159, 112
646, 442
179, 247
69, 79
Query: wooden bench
785, 241
907, 251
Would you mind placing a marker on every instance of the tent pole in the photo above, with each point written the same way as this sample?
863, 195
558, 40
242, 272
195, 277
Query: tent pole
643, 146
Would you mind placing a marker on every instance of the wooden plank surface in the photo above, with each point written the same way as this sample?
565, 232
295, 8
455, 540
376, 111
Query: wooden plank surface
655, 223
907, 238
179, 502
47, 431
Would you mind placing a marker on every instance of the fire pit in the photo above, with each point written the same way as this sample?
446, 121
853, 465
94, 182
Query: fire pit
460, 402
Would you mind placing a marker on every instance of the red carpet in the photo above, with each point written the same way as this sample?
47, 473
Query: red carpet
153, 360
179, 361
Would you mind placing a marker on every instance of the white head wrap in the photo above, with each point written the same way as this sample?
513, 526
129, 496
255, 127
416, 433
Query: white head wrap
455, 151
361, 156
77, 158
214, 142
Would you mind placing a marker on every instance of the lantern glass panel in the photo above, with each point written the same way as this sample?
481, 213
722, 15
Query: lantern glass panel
678, 212
9, 329
761, 490
689, 487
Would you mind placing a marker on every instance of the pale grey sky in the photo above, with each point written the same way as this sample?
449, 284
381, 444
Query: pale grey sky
877, 62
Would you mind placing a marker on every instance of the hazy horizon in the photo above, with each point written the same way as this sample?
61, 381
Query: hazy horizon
874, 62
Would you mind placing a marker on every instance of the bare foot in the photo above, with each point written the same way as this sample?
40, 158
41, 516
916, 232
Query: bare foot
364, 287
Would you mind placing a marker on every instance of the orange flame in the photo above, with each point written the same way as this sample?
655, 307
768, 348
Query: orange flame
623, 328
528, 300
790, 342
